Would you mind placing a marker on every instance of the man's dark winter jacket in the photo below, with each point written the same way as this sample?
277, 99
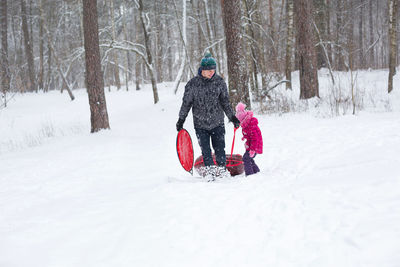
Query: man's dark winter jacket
208, 99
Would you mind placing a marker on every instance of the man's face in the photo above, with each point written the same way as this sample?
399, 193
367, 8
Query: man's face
207, 73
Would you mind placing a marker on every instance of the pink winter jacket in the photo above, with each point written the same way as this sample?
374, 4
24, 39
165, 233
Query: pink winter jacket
251, 132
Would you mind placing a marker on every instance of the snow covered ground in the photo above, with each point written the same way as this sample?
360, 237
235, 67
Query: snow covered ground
328, 194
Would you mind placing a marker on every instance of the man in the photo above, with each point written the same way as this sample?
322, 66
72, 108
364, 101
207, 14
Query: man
207, 96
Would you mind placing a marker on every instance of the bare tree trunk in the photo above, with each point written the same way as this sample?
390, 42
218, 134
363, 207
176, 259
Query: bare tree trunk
158, 44
281, 22
392, 42
379, 59
339, 25
360, 36
169, 52
319, 11
237, 73
289, 43
222, 68
261, 54
371, 37
253, 53
210, 31
28, 47
4, 68
209, 28
305, 41
150, 65
350, 37
218, 55
128, 61
58, 63
351, 52
94, 75
199, 33
49, 56
81, 34
30, 23
138, 65
49, 21
328, 30
114, 54
41, 46
324, 50
273, 39
184, 40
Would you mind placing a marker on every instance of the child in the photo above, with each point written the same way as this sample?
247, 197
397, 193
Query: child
252, 135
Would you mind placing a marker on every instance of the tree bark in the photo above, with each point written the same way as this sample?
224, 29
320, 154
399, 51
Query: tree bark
58, 63
328, 31
218, 55
339, 25
28, 47
392, 42
128, 61
262, 59
305, 41
184, 41
201, 35
209, 28
41, 46
94, 75
350, 37
238, 81
351, 52
138, 62
4, 67
274, 48
371, 37
159, 44
150, 65
114, 54
289, 43
169, 51
253, 54
319, 6
360, 36
49, 55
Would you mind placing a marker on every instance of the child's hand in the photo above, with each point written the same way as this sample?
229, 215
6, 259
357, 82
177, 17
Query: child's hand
252, 153
246, 146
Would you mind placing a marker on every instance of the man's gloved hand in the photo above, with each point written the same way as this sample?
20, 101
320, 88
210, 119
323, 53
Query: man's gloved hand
236, 122
252, 153
179, 124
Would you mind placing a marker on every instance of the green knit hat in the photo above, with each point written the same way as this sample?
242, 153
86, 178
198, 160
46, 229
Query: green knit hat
208, 62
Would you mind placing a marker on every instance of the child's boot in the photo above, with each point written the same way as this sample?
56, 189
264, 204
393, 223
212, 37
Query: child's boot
255, 168
248, 169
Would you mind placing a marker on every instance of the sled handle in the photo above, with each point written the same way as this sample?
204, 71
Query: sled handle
233, 142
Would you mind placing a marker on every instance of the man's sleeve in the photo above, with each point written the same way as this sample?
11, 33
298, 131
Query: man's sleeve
187, 102
224, 100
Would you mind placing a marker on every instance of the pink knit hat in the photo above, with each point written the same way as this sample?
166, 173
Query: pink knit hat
241, 113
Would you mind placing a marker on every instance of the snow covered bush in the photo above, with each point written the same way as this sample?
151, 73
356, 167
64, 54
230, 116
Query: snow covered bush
362, 90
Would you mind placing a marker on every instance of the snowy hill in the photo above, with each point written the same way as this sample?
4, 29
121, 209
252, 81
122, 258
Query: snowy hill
328, 194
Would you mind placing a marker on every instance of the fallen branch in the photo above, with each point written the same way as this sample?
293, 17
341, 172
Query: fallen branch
265, 91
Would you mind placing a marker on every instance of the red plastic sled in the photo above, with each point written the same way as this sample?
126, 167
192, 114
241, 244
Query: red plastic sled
184, 148
234, 164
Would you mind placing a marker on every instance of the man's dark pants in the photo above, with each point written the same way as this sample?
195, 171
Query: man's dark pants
217, 136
